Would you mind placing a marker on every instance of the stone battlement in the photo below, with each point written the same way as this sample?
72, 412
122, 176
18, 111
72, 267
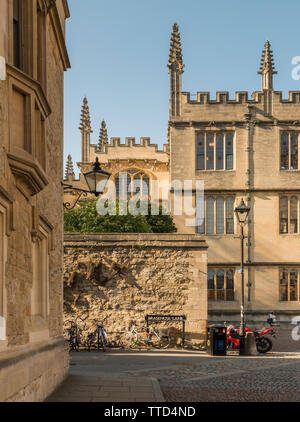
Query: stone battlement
131, 143
241, 97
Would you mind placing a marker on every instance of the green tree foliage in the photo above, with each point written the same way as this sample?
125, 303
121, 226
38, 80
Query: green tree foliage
85, 219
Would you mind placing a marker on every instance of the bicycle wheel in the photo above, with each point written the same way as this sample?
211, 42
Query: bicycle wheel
102, 340
164, 342
154, 340
129, 340
104, 337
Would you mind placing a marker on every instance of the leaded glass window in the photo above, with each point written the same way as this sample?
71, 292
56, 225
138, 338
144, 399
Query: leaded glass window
229, 215
220, 284
289, 151
211, 284
294, 215
220, 215
284, 152
229, 151
132, 182
220, 152
288, 215
229, 285
200, 152
210, 151
284, 286
283, 214
289, 285
210, 216
214, 151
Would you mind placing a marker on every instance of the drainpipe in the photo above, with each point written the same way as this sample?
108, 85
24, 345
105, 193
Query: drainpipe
249, 127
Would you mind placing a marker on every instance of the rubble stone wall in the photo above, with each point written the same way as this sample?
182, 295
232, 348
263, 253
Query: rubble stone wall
120, 278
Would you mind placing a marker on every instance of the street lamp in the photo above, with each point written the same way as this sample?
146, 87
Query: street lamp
242, 213
96, 180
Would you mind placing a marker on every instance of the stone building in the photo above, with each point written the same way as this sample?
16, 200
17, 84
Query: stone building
246, 147
132, 164
33, 58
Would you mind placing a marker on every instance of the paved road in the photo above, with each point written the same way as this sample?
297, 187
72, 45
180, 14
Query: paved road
184, 376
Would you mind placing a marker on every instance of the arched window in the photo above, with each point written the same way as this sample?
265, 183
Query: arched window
146, 185
132, 182
283, 214
220, 215
137, 185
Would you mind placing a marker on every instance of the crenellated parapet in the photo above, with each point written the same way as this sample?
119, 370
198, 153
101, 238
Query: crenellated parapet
130, 148
268, 105
240, 97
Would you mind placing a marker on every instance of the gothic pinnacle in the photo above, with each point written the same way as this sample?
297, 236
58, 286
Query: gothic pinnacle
103, 138
175, 58
85, 121
69, 167
267, 68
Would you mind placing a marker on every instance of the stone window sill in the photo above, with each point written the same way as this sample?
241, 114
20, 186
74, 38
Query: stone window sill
216, 171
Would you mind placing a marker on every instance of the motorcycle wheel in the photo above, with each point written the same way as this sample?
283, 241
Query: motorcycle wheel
263, 344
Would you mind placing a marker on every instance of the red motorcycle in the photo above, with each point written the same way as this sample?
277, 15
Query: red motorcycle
263, 343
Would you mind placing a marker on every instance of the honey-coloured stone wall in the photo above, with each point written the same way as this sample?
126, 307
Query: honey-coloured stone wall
119, 279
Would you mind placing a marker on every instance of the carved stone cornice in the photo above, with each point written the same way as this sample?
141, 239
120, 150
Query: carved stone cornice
30, 178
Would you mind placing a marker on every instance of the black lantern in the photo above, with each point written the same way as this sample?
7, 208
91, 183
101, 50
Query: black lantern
242, 212
97, 179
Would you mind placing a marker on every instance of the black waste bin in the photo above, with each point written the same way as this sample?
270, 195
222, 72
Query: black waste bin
216, 340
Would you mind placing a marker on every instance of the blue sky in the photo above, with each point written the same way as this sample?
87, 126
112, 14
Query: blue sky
119, 51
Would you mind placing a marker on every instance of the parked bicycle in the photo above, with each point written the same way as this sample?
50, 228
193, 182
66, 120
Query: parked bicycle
139, 336
74, 335
98, 338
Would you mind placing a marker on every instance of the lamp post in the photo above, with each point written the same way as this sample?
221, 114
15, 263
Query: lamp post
96, 180
242, 213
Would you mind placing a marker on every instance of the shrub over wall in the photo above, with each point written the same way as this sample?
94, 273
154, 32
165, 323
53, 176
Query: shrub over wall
84, 218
